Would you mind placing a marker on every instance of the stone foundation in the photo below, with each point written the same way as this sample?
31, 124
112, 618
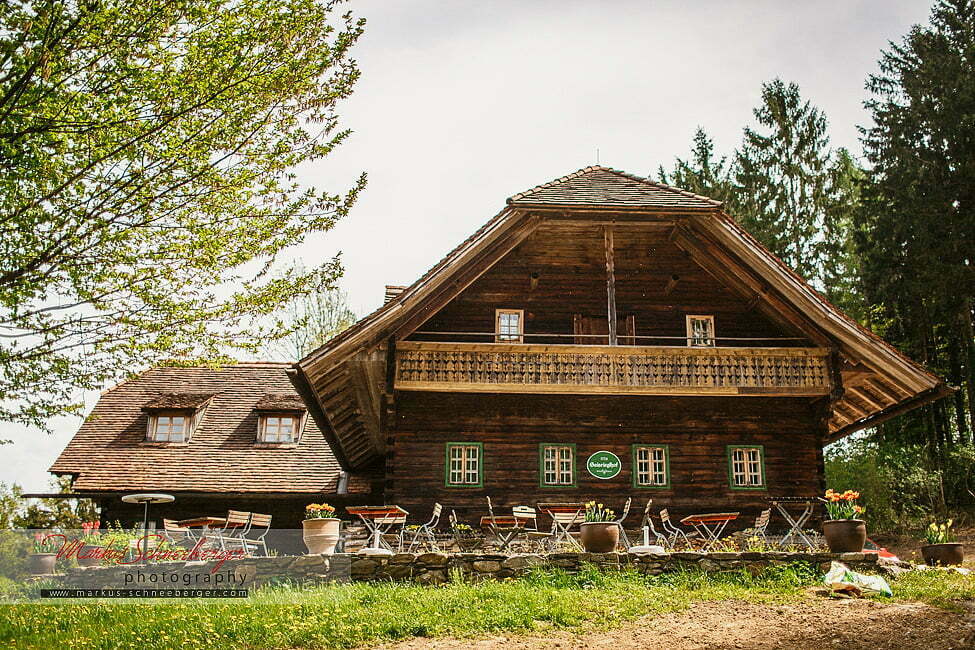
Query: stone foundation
427, 568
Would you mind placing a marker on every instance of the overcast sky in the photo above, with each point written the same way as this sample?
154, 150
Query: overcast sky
462, 104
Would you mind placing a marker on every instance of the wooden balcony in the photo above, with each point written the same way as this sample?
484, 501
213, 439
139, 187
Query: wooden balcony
579, 369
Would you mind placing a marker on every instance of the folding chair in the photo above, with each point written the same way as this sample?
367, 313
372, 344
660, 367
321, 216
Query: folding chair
428, 531
176, 534
672, 531
533, 536
503, 529
260, 524
761, 526
646, 524
624, 540
237, 525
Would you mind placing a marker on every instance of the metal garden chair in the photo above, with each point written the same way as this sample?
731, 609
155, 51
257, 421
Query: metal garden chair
178, 535
760, 527
646, 524
428, 532
254, 536
532, 535
624, 540
673, 532
237, 524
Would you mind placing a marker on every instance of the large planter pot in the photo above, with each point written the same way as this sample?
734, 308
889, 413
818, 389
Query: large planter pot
845, 535
600, 536
42, 564
89, 555
321, 535
952, 554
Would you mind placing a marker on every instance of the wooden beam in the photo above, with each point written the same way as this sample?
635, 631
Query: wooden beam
736, 277
610, 283
473, 269
865, 397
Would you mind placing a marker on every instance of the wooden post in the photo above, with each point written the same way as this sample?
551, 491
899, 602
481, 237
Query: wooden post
610, 284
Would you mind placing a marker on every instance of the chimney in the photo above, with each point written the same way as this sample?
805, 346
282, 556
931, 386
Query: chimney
392, 291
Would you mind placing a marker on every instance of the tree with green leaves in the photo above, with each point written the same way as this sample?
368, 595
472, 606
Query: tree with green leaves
781, 172
310, 320
916, 228
787, 188
703, 173
146, 181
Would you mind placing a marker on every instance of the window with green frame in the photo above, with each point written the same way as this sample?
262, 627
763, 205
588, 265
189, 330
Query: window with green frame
556, 465
464, 465
651, 466
746, 467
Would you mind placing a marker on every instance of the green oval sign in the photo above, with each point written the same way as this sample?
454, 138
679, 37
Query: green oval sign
604, 464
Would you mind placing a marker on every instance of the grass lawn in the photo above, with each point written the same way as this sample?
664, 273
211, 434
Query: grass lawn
355, 614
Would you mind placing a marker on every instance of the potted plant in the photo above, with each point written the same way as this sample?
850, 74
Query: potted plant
91, 551
320, 529
42, 558
600, 532
942, 549
844, 532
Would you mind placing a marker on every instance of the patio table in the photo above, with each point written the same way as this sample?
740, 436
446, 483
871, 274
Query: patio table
782, 504
505, 528
145, 498
378, 520
202, 522
564, 516
710, 525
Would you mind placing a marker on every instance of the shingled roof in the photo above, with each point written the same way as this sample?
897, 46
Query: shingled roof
109, 453
607, 188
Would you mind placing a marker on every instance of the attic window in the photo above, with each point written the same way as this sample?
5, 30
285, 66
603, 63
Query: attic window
168, 427
700, 331
175, 416
278, 428
509, 325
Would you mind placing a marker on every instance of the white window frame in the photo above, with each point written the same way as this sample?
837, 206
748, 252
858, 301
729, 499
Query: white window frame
747, 467
265, 430
509, 337
558, 465
695, 341
162, 427
464, 464
651, 465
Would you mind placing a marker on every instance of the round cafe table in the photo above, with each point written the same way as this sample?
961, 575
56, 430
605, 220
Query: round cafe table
145, 498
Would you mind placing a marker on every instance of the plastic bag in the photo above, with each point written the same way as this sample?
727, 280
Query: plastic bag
840, 578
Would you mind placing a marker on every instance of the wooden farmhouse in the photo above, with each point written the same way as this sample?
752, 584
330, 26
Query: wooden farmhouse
600, 312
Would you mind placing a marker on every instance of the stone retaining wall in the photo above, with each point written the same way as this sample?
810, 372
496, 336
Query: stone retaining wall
427, 568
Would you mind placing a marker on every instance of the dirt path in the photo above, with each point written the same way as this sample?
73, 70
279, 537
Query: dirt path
815, 623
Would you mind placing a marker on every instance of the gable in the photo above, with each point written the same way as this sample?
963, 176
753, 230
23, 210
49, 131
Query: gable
351, 375
559, 272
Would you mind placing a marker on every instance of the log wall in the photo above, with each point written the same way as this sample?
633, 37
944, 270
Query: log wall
697, 429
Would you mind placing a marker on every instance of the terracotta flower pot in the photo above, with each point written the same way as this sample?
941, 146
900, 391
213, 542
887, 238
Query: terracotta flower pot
600, 536
845, 535
42, 564
90, 555
321, 535
952, 554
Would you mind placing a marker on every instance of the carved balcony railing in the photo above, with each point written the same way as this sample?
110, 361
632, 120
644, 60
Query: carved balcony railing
572, 369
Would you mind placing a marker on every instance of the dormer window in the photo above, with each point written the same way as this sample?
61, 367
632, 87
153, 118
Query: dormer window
167, 427
509, 325
174, 417
700, 331
278, 428
279, 419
